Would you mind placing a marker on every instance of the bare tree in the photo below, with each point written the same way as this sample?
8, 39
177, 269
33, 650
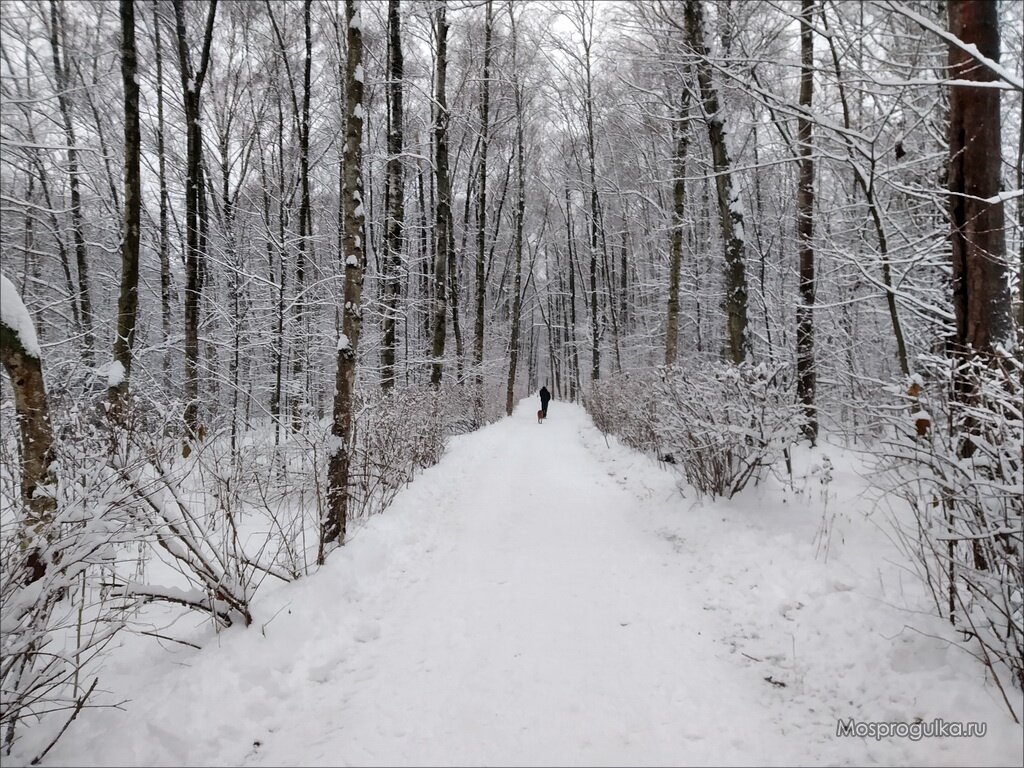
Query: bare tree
195, 201
128, 299
680, 129
62, 78
164, 235
730, 208
805, 371
517, 237
481, 215
395, 196
443, 240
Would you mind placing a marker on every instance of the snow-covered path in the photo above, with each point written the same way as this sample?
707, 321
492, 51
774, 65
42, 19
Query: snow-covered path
547, 627
542, 597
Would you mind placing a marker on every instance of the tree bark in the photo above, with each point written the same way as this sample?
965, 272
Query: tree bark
481, 217
586, 32
443, 240
805, 369
730, 211
354, 262
195, 208
681, 130
164, 246
393, 231
19, 353
128, 299
302, 397
517, 237
981, 296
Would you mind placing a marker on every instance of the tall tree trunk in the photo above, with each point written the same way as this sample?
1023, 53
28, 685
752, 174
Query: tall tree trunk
586, 30
517, 237
304, 393
443, 240
393, 231
730, 210
19, 353
574, 377
481, 217
981, 294
805, 372
195, 208
354, 260
128, 299
681, 129
164, 246
61, 71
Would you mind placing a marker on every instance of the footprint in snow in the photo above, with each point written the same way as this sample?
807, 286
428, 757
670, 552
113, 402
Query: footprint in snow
366, 632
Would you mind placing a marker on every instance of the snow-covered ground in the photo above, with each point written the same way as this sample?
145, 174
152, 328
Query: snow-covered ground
545, 596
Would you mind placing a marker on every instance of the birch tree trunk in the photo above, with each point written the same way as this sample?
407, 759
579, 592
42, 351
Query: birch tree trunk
354, 261
19, 353
128, 299
730, 211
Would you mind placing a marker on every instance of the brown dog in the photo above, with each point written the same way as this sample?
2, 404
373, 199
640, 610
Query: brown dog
540, 416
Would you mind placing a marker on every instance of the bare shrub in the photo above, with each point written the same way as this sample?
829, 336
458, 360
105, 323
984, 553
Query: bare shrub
962, 478
722, 426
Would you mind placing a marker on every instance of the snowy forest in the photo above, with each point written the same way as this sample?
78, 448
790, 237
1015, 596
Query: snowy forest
265, 263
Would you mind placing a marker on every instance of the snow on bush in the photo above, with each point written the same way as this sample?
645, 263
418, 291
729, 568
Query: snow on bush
963, 478
721, 426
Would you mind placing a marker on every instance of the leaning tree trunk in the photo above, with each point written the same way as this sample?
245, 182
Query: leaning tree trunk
62, 76
128, 300
20, 355
443, 241
730, 211
805, 373
870, 198
354, 261
395, 199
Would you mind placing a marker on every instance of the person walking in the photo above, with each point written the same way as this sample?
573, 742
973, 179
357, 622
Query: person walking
545, 397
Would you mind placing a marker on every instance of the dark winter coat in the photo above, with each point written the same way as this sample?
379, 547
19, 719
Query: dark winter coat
545, 396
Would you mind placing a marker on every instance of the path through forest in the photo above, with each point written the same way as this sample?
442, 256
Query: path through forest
543, 597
